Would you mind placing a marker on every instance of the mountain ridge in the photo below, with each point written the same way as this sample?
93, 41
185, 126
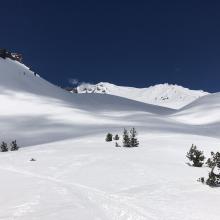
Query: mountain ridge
166, 95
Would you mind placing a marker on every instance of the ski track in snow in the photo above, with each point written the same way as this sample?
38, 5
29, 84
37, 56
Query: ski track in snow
114, 206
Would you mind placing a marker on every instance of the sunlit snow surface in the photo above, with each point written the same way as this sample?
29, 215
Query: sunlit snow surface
172, 96
77, 175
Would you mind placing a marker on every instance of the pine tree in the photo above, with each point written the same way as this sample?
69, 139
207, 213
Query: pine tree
116, 137
211, 162
108, 137
4, 147
126, 139
133, 138
116, 144
196, 156
14, 146
213, 180
214, 176
201, 179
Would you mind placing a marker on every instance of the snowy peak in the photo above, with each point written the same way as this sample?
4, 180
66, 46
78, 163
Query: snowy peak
167, 95
103, 88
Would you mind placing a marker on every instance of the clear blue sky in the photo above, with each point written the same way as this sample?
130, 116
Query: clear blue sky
135, 43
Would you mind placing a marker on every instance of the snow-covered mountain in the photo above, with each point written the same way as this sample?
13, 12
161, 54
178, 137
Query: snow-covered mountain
167, 95
48, 113
77, 175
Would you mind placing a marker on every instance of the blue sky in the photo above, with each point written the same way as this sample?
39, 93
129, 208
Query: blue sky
134, 43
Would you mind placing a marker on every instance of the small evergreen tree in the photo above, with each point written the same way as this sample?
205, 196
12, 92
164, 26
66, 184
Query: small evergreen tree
14, 146
211, 162
116, 144
108, 137
126, 139
201, 179
4, 147
196, 156
213, 180
133, 138
214, 176
116, 137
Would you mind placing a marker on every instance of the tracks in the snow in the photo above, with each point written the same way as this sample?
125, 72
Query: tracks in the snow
113, 207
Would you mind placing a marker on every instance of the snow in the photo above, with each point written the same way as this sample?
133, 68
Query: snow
204, 110
77, 175
171, 96
78, 179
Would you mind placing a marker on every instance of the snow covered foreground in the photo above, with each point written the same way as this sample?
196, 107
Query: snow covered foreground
77, 175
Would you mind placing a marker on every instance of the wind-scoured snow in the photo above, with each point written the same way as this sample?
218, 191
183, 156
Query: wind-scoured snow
172, 96
77, 175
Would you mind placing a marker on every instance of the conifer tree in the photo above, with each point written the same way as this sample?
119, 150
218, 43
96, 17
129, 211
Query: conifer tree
14, 146
133, 138
116, 137
4, 147
214, 176
108, 137
196, 156
116, 144
211, 162
213, 180
126, 139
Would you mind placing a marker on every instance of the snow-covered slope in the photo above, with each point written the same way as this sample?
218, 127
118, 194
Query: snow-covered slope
36, 111
205, 110
77, 175
172, 96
